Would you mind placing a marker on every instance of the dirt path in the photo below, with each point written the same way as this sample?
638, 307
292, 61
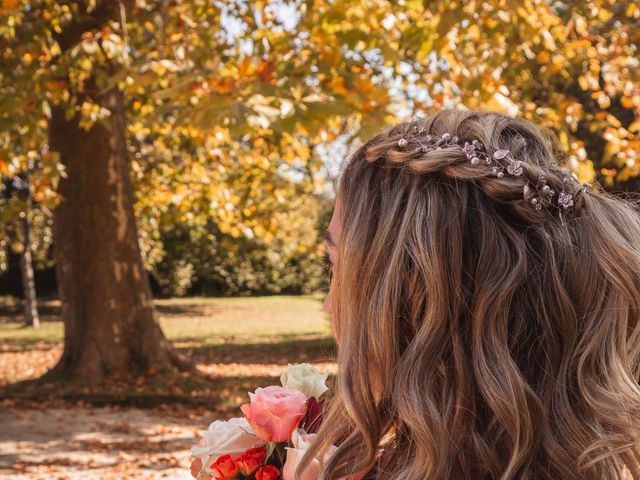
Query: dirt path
96, 443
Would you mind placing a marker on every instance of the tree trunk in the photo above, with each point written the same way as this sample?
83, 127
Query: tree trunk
107, 308
28, 280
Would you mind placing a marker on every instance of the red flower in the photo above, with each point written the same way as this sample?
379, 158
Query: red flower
268, 472
251, 459
225, 468
313, 416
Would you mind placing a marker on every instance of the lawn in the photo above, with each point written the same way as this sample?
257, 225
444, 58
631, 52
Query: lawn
196, 321
237, 343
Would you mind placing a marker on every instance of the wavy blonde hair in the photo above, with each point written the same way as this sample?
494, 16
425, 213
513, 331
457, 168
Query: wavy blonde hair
479, 337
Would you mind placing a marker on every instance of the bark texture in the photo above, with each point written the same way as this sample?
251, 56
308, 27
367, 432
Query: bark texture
109, 319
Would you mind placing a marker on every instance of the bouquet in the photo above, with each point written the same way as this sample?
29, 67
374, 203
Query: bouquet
270, 439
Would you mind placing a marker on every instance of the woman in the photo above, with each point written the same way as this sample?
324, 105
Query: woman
485, 307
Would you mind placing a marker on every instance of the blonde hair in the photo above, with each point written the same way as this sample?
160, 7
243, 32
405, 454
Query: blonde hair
479, 337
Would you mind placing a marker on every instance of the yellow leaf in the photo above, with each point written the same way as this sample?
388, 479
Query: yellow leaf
416, 6
613, 121
604, 14
46, 109
55, 49
246, 68
337, 85
474, 31
580, 25
582, 81
543, 56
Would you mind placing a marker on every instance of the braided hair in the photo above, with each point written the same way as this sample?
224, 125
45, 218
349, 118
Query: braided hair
523, 169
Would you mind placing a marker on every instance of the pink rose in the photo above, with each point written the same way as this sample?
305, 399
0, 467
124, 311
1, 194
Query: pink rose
301, 443
275, 412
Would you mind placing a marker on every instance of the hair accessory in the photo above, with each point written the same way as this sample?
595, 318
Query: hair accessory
565, 200
544, 194
538, 194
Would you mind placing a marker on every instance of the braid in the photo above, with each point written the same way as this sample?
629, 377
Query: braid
521, 171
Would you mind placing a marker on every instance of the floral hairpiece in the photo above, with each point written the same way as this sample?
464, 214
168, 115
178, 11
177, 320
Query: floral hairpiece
536, 195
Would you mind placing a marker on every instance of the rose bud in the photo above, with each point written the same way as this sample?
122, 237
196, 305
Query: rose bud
250, 460
225, 468
268, 472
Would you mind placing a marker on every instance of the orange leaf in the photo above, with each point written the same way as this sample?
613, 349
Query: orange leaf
266, 71
222, 84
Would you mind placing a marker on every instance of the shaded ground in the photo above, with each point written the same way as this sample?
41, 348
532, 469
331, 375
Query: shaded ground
95, 443
237, 344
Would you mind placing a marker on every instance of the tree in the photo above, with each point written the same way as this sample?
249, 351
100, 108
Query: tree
26, 269
107, 308
109, 318
110, 323
16, 223
31, 317
570, 66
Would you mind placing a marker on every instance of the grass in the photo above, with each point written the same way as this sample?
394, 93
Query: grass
198, 322
242, 320
237, 345
16, 334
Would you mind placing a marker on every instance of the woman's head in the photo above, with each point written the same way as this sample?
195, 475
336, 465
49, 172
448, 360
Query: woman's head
486, 309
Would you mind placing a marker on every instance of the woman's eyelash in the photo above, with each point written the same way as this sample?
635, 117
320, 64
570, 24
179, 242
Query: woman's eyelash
327, 263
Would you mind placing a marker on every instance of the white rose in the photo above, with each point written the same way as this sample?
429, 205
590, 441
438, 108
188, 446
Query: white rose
306, 378
232, 437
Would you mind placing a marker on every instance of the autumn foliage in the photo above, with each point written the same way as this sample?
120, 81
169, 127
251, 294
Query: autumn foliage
235, 110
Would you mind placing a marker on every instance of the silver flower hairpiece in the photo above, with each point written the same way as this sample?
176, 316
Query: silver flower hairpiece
538, 195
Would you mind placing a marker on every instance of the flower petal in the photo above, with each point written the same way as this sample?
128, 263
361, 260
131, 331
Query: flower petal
500, 154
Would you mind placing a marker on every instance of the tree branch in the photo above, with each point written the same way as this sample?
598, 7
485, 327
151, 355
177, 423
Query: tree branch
104, 11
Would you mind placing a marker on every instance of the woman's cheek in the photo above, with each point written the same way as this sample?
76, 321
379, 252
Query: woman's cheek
327, 300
